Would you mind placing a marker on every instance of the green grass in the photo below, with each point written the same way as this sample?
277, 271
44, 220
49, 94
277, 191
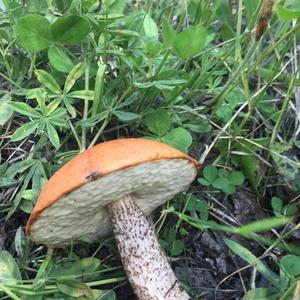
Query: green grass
188, 73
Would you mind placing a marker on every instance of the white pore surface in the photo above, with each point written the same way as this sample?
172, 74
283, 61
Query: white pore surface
83, 211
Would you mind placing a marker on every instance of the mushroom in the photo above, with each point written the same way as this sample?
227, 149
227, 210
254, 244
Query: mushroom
113, 186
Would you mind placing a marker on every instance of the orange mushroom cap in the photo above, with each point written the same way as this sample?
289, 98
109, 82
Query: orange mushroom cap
99, 161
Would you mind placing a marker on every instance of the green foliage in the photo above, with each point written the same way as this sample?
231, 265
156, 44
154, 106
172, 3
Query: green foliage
5, 110
75, 289
161, 84
48, 81
150, 27
221, 179
224, 14
198, 206
9, 270
34, 175
251, 259
288, 13
262, 294
283, 210
169, 34
190, 42
44, 121
159, 122
179, 138
60, 60
232, 100
289, 266
74, 268
188, 74
288, 168
33, 33
70, 29
173, 244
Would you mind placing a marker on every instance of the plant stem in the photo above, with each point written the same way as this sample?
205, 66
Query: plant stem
75, 134
104, 124
282, 111
86, 106
9, 292
238, 32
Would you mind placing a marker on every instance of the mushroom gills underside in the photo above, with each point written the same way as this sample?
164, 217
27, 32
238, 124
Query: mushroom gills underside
84, 212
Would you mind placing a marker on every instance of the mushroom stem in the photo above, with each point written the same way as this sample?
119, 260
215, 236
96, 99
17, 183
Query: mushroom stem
144, 262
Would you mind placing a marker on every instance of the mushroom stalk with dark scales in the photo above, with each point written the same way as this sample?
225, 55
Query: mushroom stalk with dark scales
128, 178
144, 262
